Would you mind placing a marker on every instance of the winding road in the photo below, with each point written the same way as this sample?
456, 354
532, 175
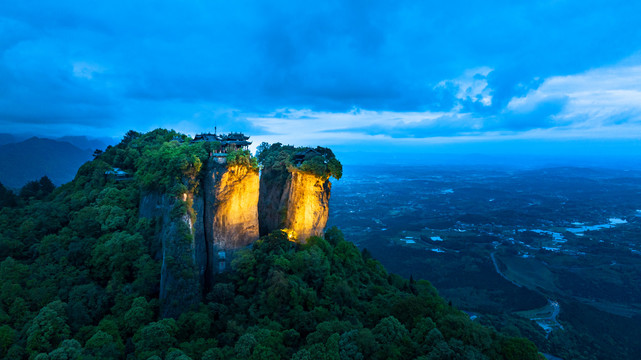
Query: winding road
548, 323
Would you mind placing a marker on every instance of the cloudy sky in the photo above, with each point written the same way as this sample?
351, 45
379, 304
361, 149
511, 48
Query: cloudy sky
456, 75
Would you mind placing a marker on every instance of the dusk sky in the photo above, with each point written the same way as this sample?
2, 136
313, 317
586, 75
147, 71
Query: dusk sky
450, 76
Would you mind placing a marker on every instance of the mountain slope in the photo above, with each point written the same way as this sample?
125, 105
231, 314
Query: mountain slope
33, 158
81, 280
85, 143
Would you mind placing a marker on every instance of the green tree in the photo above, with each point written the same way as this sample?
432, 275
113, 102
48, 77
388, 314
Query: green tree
138, 315
7, 338
68, 350
348, 346
86, 303
177, 354
102, 346
213, 354
46, 186
391, 334
48, 329
115, 255
7, 197
155, 338
245, 346
242, 158
332, 347
519, 348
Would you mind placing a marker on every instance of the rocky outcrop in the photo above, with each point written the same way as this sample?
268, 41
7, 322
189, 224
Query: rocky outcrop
307, 205
296, 202
179, 275
272, 203
230, 213
197, 235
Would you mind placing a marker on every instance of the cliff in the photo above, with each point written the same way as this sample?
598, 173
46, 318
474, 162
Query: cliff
230, 213
176, 246
225, 218
307, 206
209, 206
295, 201
272, 202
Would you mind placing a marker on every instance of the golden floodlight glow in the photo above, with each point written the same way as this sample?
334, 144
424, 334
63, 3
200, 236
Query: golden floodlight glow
291, 234
307, 209
235, 221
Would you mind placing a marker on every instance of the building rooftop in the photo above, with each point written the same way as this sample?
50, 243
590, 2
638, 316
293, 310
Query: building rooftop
301, 156
233, 139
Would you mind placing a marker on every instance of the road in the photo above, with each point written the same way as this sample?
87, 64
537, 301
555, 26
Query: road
548, 323
496, 266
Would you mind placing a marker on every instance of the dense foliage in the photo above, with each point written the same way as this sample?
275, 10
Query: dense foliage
79, 279
319, 161
242, 158
37, 189
168, 166
7, 197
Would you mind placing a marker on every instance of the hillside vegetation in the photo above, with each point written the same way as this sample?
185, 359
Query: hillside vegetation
79, 279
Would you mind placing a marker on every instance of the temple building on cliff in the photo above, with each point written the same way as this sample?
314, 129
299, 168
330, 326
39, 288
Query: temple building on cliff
307, 154
228, 142
234, 141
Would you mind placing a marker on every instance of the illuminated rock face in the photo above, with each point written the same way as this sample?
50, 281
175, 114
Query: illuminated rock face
226, 219
297, 203
307, 206
230, 214
226, 211
235, 220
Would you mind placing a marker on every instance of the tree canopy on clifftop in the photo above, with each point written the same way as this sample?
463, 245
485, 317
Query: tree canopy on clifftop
319, 161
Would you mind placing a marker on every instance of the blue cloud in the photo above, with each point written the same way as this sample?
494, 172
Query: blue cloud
540, 117
252, 57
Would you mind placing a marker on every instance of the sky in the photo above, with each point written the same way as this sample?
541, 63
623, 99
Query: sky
492, 77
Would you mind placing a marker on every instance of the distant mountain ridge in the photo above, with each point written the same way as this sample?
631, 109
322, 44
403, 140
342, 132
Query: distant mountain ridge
33, 158
80, 141
86, 143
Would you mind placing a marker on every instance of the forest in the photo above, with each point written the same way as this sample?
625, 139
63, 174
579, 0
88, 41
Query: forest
79, 279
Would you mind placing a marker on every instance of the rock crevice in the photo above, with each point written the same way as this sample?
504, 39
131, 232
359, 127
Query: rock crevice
225, 209
294, 201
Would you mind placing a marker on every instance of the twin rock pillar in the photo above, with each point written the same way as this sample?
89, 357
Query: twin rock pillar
231, 208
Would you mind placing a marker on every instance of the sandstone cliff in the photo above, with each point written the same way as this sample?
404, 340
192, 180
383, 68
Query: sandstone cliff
230, 213
222, 205
197, 234
307, 205
295, 201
